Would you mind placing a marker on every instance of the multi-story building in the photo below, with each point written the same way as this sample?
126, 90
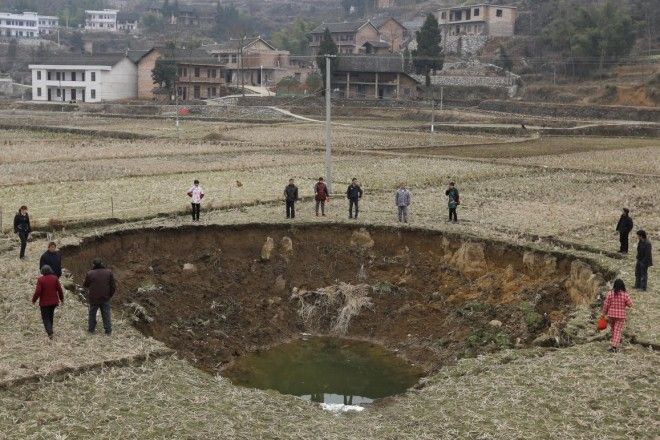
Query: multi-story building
254, 62
479, 19
373, 77
48, 24
24, 25
349, 37
392, 32
82, 78
128, 21
103, 20
199, 76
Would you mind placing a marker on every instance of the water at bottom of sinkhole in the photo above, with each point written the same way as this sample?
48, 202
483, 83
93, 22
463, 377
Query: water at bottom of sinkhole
327, 370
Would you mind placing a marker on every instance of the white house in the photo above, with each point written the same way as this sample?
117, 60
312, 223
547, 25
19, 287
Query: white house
48, 24
128, 22
104, 20
23, 25
80, 78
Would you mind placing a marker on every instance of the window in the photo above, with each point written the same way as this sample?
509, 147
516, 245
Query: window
57, 76
214, 91
214, 73
233, 58
38, 91
196, 92
59, 92
39, 74
185, 71
73, 76
208, 92
476, 12
83, 76
92, 94
498, 12
443, 15
196, 72
48, 75
93, 76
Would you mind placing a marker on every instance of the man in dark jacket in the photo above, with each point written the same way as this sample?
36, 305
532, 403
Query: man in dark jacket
22, 228
291, 196
353, 194
53, 258
624, 227
452, 201
644, 260
100, 284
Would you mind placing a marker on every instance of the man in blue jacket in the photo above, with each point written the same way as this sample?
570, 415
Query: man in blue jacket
53, 258
353, 194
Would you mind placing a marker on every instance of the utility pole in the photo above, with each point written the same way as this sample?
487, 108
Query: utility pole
328, 129
442, 90
432, 109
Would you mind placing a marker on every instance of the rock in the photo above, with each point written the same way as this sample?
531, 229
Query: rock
362, 239
280, 284
189, 267
286, 244
470, 259
546, 341
267, 249
495, 323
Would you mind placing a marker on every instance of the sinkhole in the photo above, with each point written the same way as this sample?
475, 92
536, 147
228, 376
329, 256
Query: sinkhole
330, 311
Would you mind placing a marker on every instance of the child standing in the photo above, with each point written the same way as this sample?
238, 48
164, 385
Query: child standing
615, 309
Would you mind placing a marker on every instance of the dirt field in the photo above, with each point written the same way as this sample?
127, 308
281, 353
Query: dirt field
550, 195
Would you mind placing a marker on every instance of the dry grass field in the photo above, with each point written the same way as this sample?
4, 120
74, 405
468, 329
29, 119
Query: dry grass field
559, 193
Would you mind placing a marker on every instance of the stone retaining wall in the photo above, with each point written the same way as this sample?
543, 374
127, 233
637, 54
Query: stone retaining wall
610, 112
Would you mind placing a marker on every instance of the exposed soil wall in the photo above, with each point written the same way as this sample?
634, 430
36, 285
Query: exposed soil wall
574, 111
214, 293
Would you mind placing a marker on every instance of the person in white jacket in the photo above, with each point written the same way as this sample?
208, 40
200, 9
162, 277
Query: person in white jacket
196, 194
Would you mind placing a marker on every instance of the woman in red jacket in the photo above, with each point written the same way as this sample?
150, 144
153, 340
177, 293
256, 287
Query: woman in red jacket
615, 309
49, 293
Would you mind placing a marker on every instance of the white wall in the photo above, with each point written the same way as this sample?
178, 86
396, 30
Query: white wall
120, 82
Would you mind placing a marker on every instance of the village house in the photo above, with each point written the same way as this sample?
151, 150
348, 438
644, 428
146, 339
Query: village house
373, 77
199, 76
128, 21
350, 37
254, 62
84, 78
26, 25
479, 19
103, 20
392, 32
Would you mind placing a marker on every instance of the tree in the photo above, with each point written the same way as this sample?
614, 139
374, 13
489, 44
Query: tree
152, 23
164, 74
407, 61
326, 47
294, 38
591, 36
313, 82
504, 61
428, 55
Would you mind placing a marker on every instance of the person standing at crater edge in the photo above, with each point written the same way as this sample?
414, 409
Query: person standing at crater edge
100, 285
290, 197
321, 195
623, 227
353, 194
453, 201
196, 194
402, 199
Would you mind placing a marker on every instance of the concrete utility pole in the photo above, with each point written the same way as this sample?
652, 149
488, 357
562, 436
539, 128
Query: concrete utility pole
432, 110
328, 129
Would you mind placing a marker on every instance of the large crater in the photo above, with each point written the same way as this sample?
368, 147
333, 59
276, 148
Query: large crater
216, 293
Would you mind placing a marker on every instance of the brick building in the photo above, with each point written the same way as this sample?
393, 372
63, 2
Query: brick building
349, 37
375, 77
199, 76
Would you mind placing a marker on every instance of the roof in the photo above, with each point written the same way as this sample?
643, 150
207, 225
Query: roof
370, 63
379, 22
128, 16
106, 59
347, 26
234, 44
186, 56
477, 5
374, 43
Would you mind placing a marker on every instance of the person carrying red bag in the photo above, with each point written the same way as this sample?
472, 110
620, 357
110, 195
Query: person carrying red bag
614, 308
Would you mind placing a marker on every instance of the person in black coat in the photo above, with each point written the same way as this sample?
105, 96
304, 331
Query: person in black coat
644, 260
22, 228
353, 194
624, 227
53, 258
291, 196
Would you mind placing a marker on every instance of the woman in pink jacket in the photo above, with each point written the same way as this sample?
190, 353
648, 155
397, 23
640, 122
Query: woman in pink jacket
614, 308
